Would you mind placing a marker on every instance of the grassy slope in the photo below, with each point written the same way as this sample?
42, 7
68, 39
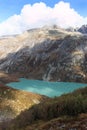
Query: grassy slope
12, 101
54, 112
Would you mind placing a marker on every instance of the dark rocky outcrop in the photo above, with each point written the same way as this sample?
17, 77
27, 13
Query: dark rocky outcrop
83, 29
47, 53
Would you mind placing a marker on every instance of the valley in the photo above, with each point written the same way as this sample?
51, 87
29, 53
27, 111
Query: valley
47, 54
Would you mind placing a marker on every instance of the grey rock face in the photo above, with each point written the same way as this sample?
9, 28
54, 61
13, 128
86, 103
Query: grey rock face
46, 54
83, 29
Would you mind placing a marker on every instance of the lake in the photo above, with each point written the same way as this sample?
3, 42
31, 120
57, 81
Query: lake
50, 89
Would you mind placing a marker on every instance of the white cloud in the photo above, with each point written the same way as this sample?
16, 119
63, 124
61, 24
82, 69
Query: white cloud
38, 15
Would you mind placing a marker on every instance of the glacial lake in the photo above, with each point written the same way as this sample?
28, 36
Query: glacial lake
50, 89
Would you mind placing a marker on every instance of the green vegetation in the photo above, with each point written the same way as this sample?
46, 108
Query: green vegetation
71, 105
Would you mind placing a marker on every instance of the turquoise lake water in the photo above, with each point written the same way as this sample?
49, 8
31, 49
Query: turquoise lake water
50, 89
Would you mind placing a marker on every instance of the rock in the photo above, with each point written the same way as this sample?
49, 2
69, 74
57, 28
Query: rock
46, 53
83, 29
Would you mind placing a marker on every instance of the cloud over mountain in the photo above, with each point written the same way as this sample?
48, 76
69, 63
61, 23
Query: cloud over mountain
38, 15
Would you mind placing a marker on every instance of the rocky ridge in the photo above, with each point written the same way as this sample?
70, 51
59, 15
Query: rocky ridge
83, 29
48, 53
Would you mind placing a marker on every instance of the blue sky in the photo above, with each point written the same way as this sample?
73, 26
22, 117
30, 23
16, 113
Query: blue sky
11, 7
17, 16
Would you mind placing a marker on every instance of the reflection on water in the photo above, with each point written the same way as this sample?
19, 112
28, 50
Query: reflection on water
50, 89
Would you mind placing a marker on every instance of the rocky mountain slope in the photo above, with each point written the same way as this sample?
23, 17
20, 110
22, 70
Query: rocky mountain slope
83, 29
48, 53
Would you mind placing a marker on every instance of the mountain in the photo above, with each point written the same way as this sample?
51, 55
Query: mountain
83, 29
48, 53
